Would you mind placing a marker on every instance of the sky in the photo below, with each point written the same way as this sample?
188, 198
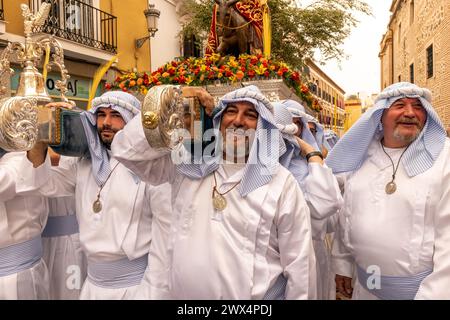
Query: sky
360, 73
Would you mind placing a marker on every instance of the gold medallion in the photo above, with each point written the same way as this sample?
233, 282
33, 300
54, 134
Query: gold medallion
97, 206
390, 187
219, 202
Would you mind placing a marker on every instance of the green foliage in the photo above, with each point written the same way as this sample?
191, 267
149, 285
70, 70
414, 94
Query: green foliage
296, 32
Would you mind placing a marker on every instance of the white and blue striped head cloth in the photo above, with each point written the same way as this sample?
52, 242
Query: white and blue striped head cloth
291, 159
330, 137
288, 130
320, 132
351, 150
128, 107
298, 111
259, 169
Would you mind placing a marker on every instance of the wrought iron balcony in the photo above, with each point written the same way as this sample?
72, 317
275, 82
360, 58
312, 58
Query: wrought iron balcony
80, 22
2, 13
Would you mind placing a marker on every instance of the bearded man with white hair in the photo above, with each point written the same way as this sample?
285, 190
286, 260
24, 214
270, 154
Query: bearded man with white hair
120, 217
241, 227
395, 223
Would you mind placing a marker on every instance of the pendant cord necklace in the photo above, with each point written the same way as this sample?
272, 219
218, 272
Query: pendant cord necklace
97, 205
391, 186
219, 202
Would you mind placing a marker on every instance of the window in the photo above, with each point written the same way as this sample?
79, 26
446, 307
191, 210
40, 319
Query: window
191, 46
399, 78
411, 12
430, 61
399, 32
411, 73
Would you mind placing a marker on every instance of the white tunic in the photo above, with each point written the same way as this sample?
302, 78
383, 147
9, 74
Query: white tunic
323, 196
123, 229
240, 252
402, 234
63, 255
22, 218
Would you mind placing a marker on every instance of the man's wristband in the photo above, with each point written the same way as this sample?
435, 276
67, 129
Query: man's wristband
313, 154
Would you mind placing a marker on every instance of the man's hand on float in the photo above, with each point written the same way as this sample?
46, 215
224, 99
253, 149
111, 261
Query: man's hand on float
306, 148
206, 99
60, 104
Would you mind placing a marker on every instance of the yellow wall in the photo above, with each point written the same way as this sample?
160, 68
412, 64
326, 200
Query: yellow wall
131, 25
13, 16
353, 112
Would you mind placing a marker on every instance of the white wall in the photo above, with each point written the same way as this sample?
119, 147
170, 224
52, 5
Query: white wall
165, 46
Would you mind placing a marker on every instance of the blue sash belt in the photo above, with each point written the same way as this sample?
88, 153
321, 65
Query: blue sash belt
20, 256
393, 288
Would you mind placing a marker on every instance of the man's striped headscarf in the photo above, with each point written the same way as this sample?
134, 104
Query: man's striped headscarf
351, 150
266, 149
128, 107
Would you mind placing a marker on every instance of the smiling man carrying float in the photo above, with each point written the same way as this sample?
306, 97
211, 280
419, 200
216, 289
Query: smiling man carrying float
241, 227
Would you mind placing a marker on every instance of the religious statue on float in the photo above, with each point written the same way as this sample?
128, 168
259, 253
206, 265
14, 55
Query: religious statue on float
239, 27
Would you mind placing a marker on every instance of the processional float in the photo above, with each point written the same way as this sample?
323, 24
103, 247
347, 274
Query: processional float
235, 27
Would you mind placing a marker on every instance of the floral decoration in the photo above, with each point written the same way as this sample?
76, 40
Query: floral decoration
214, 68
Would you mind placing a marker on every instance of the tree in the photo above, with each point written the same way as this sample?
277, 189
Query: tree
296, 31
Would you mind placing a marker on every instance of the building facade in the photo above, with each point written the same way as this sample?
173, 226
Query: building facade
91, 33
353, 111
416, 48
330, 96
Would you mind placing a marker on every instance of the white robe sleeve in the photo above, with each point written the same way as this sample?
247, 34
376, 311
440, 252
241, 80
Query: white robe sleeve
437, 284
48, 181
295, 243
160, 199
8, 178
322, 191
342, 262
131, 148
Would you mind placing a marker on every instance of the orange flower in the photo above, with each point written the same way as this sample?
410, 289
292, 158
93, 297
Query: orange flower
165, 75
139, 81
132, 83
240, 75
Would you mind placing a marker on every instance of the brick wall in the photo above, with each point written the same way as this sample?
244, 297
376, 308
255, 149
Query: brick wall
411, 38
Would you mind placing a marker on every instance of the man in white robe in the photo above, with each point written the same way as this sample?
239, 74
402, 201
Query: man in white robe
316, 180
394, 227
114, 208
241, 227
23, 273
62, 252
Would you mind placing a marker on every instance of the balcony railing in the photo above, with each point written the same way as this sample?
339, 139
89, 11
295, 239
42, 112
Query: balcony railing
2, 13
78, 21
